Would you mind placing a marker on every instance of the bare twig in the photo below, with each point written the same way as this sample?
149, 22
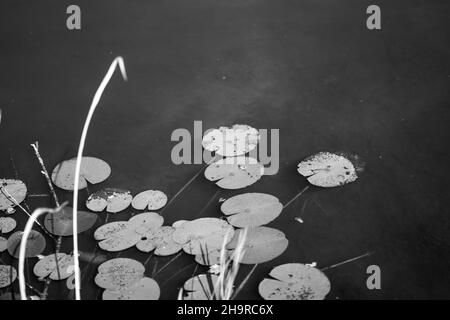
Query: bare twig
348, 260
296, 196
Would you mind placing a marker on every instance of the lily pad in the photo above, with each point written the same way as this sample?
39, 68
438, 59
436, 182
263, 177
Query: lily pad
61, 223
161, 241
151, 199
118, 273
202, 234
262, 244
251, 209
201, 287
35, 244
11, 188
229, 142
295, 281
7, 224
234, 172
144, 289
8, 275
327, 170
3, 244
47, 267
111, 199
121, 235
92, 170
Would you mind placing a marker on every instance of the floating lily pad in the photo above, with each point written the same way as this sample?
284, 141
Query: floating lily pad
326, 169
234, 172
3, 244
121, 235
11, 188
201, 287
262, 244
47, 267
295, 281
61, 223
202, 234
92, 170
111, 199
144, 289
151, 199
229, 142
161, 241
8, 275
251, 209
35, 244
7, 224
118, 273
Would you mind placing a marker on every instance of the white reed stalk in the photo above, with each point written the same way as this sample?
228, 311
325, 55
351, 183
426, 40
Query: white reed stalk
118, 61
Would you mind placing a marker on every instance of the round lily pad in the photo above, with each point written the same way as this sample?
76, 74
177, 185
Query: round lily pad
234, 172
8, 275
61, 223
11, 188
35, 244
327, 170
7, 224
3, 244
159, 240
92, 170
144, 289
262, 244
118, 273
112, 199
201, 287
202, 234
251, 209
121, 235
229, 142
295, 281
151, 199
47, 267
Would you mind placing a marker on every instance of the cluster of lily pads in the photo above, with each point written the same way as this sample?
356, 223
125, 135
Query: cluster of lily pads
204, 238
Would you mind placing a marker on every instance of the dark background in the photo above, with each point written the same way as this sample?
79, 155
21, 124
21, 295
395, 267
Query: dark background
308, 67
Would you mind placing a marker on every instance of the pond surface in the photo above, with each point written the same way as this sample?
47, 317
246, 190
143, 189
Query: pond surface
308, 68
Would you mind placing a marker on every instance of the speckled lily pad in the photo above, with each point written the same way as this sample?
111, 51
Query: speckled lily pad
11, 188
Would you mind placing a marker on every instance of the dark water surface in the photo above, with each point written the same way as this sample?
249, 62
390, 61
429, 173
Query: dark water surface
309, 68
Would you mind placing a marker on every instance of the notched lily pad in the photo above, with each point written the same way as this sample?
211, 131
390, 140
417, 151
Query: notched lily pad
202, 234
229, 142
201, 287
8, 275
61, 223
151, 199
144, 289
47, 266
112, 199
159, 240
35, 244
11, 188
234, 172
295, 281
262, 244
251, 209
326, 169
92, 170
119, 273
121, 235
7, 224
